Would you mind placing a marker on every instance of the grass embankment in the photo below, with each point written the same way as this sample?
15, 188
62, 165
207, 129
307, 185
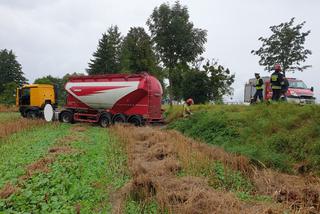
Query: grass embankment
60, 169
281, 136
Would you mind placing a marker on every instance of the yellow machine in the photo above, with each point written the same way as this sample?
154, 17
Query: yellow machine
31, 99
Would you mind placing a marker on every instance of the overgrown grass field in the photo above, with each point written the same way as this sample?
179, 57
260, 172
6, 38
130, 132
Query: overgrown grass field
82, 168
59, 168
281, 136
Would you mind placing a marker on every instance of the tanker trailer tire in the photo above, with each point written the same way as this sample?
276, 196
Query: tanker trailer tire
31, 114
66, 117
105, 120
135, 120
118, 118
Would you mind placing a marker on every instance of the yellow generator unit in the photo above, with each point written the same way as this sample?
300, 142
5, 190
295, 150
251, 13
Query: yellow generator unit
31, 99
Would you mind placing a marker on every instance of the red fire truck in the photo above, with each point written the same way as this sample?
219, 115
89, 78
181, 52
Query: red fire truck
298, 92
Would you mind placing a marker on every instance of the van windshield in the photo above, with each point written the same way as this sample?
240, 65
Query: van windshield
297, 84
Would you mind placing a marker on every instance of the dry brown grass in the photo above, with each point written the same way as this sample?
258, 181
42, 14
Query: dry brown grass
7, 190
11, 127
10, 108
155, 157
298, 192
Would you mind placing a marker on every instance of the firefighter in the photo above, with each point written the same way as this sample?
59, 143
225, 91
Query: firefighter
277, 82
186, 107
259, 88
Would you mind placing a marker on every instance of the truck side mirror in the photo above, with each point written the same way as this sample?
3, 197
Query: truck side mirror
312, 89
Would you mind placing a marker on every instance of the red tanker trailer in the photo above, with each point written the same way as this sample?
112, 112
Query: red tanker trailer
113, 98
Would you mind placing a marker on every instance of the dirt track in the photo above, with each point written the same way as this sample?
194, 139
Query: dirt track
156, 156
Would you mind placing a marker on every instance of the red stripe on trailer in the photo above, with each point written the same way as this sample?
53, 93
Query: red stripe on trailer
88, 90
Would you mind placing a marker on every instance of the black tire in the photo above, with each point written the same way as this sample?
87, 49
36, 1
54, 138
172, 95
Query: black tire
105, 120
32, 114
23, 114
66, 117
118, 118
135, 120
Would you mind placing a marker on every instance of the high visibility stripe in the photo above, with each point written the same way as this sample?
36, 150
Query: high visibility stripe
274, 78
258, 87
276, 87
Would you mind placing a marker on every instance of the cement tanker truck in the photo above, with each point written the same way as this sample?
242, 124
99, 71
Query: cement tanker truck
107, 99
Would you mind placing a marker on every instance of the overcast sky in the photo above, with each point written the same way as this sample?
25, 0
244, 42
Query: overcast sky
59, 36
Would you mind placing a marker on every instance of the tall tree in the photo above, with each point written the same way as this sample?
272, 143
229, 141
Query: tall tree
10, 70
137, 52
106, 59
177, 41
284, 46
8, 95
196, 85
220, 80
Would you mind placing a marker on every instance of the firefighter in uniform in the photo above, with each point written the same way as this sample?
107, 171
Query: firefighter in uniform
277, 82
259, 88
186, 107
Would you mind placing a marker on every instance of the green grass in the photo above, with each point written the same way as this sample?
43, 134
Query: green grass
24, 147
278, 135
134, 207
8, 116
82, 179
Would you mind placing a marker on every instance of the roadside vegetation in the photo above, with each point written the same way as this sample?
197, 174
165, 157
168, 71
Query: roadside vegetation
21, 149
172, 173
280, 136
59, 168
8, 116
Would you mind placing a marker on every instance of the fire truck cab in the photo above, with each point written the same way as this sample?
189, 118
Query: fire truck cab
298, 92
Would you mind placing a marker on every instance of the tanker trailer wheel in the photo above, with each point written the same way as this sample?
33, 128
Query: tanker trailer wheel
118, 118
135, 120
66, 117
105, 120
31, 114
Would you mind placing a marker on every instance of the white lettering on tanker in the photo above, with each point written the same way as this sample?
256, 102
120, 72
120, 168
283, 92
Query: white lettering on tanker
101, 95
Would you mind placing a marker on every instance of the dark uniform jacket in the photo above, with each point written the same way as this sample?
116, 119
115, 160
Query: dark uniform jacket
276, 80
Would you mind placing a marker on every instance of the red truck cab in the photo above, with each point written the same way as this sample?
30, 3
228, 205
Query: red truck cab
298, 92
